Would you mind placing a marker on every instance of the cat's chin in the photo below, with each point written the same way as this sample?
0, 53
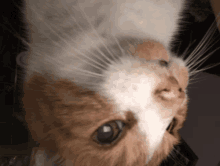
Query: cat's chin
171, 137
164, 149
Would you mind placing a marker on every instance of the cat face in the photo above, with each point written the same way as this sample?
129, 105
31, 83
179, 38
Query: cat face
124, 122
103, 100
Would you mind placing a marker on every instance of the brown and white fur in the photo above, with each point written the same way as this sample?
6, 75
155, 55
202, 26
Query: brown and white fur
92, 62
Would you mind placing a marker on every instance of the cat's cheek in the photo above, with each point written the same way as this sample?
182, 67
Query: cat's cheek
163, 149
171, 136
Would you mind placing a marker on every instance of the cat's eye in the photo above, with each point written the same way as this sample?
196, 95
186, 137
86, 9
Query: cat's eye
163, 63
109, 132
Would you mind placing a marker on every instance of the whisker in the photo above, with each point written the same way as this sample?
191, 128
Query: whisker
57, 44
208, 67
129, 51
87, 83
174, 157
201, 61
200, 55
119, 46
206, 39
193, 81
81, 70
94, 30
187, 49
78, 51
14, 33
88, 72
195, 77
183, 157
192, 57
79, 26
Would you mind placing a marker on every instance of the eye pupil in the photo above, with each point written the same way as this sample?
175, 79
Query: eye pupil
105, 133
108, 133
163, 63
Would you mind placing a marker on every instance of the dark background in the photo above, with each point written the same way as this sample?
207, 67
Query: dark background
14, 134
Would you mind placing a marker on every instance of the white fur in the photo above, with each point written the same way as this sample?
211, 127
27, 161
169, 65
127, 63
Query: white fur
146, 19
131, 88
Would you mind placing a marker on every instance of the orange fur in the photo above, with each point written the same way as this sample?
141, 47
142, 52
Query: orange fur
63, 116
59, 121
153, 50
150, 50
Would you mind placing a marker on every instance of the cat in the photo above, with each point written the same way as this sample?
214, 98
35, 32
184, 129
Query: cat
102, 86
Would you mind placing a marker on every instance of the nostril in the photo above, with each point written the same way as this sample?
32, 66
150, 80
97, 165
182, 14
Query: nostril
170, 93
163, 63
169, 90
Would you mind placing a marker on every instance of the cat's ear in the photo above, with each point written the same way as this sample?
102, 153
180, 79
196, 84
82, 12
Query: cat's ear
150, 50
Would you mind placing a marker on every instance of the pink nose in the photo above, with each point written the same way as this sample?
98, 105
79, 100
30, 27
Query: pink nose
170, 90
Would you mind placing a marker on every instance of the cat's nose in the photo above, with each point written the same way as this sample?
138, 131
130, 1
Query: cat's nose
170, 90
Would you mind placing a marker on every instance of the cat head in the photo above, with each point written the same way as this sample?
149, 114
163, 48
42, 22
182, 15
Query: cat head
131, 118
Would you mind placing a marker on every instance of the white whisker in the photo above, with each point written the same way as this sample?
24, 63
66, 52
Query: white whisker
201, 61
119, 46
205, 41
195, 78
58, 45
88, 83
178, 50
178, 160
26, 43
95, 31
14, 31
186, 50
189, 45
193, 81
76, 50
88, 72
81, 70
197, 71
195, 58
79, 26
